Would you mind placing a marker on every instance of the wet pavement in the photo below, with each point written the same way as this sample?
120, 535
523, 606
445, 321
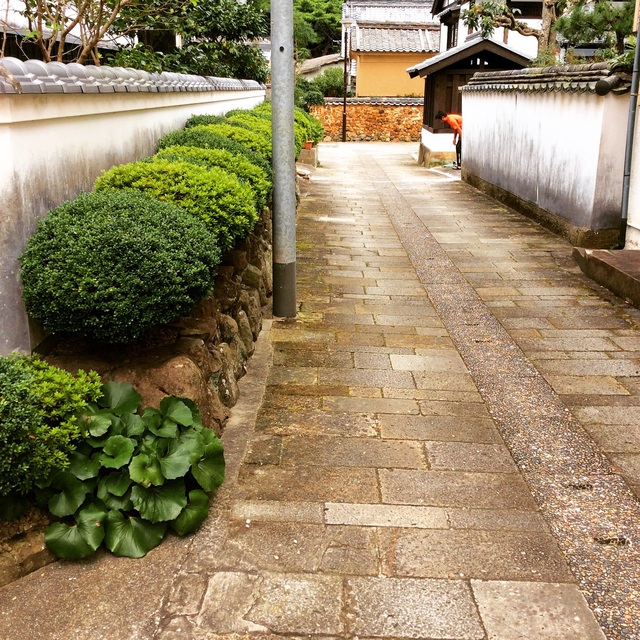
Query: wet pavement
445, 443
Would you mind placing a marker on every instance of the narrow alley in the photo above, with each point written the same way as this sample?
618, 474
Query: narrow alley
445, 443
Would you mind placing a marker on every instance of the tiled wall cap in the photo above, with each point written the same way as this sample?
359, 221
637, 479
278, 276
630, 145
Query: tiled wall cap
25, 78
79, 72
35, 76
60, 71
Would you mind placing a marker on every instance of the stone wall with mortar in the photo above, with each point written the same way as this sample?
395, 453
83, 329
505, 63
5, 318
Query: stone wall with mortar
386, 120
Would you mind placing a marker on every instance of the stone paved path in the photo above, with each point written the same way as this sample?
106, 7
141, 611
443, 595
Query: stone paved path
447, 445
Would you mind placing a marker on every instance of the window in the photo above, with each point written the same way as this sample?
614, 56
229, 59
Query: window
452, 35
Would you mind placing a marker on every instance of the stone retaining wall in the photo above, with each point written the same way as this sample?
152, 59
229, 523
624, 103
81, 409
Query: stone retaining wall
201, 356
386, 120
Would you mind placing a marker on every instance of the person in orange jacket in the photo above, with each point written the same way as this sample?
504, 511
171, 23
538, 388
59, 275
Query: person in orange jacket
455, 122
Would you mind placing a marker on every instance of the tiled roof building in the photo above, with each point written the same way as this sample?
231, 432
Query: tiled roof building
383, 35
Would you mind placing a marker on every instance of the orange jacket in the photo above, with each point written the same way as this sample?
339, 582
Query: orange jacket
454, 121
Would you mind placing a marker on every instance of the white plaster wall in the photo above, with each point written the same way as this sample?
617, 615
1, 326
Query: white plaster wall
563, 152
437, 142
55, 146
633, 222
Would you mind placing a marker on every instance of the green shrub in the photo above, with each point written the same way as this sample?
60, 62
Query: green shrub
39, 407
110, 265
246, 171
305, 125
200, 137
134, 476
255, 141
197, 120
252, 122
214, 196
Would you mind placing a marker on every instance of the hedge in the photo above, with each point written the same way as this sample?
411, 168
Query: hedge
112, 264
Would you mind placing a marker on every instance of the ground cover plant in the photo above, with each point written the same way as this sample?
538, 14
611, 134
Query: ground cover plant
214, 196
133, 477
245, 170
39, 409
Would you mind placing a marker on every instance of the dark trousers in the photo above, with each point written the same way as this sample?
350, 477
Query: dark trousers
459, 151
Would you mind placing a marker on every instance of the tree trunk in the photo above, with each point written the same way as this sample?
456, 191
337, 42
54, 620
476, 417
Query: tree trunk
546, 40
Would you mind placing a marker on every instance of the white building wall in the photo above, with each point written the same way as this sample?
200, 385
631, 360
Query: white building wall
54, 146
633, 222
563, 152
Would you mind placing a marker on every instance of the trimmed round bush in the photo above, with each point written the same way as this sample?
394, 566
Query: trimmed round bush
213, 195
200, 137
39, 406
246, 171
255, 141
110, 265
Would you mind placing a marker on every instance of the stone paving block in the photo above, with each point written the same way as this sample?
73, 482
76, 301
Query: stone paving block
317, 422
455, 489
408, 608
372, 361
437, 361
290, 334
616, 438
367, 378
628, 464
463, 409
276, 400
373, 405
607, 415
568, 344
300, 358
308, 484
534, 610
385, 515
364, 339
592, 367
293, 375
432, 394
275, 603
604, 385
445, 381
494, 519
264, 450
352, 452
465, 456
442, 428
494, 555
299, 547
275, 511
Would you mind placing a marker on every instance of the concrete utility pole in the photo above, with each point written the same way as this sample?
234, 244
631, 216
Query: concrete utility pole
284, 161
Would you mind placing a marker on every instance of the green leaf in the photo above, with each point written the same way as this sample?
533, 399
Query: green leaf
209, 470
120, 398
159, 504
116, 483
117, 452
193, 515
81, 540
176, 410
98, 424
145, 470
115, 502
195, 412
133, 424
84, 467
168, 429
176, 456
132, 537
71, 496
